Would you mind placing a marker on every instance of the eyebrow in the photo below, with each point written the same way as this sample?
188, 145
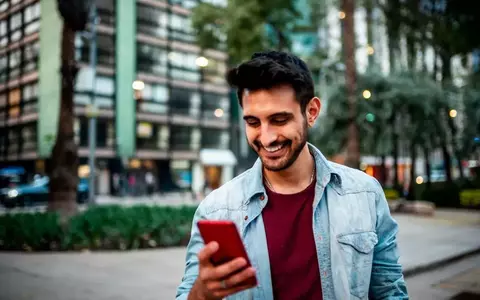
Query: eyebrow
284, 114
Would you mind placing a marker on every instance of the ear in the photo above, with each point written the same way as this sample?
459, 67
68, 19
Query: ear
313, 111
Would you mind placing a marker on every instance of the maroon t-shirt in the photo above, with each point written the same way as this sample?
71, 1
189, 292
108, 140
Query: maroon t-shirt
291, 246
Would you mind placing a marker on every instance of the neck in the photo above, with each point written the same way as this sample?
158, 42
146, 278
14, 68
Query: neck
294, 179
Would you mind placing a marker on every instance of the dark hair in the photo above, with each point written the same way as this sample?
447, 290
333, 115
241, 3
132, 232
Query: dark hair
266, 70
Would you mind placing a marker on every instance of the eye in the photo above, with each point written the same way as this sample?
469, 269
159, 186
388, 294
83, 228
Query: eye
279, 121
252, 122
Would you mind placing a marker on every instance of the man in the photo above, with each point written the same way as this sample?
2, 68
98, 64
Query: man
312, 229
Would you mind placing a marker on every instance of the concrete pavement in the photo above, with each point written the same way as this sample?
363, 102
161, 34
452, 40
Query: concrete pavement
155, 274
448, 282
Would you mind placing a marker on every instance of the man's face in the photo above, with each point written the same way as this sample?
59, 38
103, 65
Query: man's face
275, 125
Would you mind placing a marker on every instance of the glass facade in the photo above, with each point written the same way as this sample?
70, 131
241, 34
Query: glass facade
18, 98
175, 87
104, 87
167, 52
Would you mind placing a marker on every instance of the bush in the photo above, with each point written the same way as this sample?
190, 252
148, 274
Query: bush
30, 231
442, 194
101, 227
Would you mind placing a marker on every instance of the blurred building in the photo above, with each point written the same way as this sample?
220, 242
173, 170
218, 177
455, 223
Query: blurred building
163, 107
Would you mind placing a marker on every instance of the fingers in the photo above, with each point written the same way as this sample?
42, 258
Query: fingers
233, 281
228, 268
240, 278
230, 291
217, 273
207, 251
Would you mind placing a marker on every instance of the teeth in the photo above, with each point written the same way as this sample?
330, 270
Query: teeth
273, 149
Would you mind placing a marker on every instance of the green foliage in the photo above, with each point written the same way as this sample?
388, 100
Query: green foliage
30, 231
471, 129
242, 26
412, 98
102, 227
442, 194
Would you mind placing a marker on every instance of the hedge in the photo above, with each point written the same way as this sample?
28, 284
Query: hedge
101, 227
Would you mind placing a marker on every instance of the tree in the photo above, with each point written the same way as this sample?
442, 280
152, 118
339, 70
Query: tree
243, 25
348, 31
411, 97
470, 137
64, 162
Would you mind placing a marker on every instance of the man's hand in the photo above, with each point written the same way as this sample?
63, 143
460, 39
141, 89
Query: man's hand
218, 282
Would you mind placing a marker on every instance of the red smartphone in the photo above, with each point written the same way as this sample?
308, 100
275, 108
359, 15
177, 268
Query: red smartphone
230, 243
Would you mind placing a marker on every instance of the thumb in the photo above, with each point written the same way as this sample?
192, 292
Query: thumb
206, 252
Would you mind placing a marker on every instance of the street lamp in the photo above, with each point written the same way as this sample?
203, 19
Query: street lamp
138, 85
367, 94
419, 180
218, 113
201, 61
370, 50
341, 15
452, 113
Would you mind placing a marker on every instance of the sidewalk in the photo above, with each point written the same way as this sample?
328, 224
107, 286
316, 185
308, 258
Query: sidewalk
425, 242
155, 274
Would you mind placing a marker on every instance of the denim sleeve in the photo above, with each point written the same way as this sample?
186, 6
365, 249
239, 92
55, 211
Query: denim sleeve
387, 280
191, 265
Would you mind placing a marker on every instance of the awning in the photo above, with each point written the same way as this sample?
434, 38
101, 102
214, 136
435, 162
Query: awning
217, 157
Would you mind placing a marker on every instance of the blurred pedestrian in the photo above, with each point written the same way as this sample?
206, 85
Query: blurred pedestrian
150, 181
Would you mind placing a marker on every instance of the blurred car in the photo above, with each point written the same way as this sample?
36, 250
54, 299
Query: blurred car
12, 176
36, 192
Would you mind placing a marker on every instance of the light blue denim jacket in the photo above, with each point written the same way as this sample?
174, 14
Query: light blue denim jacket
354, 232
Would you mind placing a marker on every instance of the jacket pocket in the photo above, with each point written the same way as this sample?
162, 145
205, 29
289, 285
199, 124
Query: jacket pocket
357, 251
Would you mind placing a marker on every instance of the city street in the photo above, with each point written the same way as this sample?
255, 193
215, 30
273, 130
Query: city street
155, 274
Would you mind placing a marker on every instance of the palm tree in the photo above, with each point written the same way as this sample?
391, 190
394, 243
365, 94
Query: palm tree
63, 173
353, 145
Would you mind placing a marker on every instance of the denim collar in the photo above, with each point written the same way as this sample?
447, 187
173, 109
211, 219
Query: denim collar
325, 174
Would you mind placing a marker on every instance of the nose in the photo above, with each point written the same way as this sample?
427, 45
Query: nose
268, 135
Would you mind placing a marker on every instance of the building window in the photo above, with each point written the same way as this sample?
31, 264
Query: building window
105, 50
189, 4
146, 135
181, 28
151, 59
154, 98
30, 56
106, 11
184, 66
152, 21
215, 138
3, 69
184, 102
32, 18
30, 98
151, 136
13, 141
163, 137
14, 63
29, 137
3, 33
83, 125
3, 6
181, 137
211, 105
104, 89
14, 102
215, 71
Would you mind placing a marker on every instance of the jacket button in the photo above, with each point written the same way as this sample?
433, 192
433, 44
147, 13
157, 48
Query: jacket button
262, 197
246, 218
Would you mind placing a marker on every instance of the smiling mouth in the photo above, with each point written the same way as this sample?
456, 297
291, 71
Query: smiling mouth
273, 149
